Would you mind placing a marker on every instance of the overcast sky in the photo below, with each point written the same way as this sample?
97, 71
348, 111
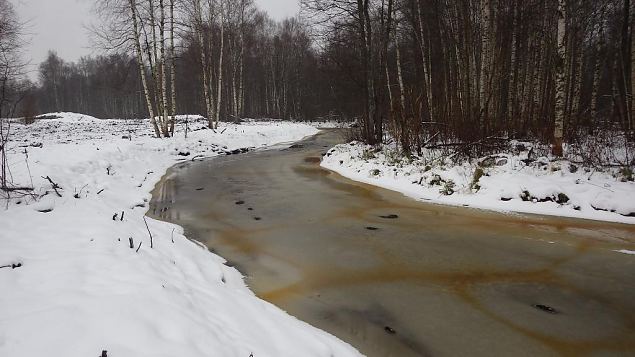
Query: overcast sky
59, 25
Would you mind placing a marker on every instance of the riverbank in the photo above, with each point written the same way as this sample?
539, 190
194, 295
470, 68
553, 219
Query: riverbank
515, 182
73, 285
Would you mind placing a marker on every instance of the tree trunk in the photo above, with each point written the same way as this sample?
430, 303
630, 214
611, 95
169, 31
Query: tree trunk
241, 60
164, 92
142, 70
425, 58
219, 94
558, 132
155, 64
172, 70
485, 64
204, 66
632, 74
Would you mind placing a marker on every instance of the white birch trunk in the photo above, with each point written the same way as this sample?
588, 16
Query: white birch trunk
172, 70
142, 70
558, 132
219, 94
201, 40
164, 92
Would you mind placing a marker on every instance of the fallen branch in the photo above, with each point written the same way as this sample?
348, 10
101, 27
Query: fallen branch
12, 189
12, 266
431, 138
54, 185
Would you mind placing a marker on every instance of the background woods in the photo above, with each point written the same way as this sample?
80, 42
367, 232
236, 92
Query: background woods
423, 72
473, 70
223, 59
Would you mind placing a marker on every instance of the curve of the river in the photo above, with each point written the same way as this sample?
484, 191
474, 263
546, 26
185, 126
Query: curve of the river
397, 277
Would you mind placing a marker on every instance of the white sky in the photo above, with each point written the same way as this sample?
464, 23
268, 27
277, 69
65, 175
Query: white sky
59, 25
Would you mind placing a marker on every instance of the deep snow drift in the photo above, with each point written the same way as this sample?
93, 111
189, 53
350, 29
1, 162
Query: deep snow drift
74, 287
507, 182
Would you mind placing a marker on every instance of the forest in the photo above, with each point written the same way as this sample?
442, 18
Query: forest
419, 72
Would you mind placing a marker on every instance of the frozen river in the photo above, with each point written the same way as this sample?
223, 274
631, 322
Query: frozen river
397, 277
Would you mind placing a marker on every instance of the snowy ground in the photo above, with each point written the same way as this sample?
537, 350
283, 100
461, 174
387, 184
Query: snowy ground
507, 182
72, 286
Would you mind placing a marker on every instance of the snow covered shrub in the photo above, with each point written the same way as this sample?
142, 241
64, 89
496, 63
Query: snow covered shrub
525, 195
606, 147
562, 198
394, 158
448, 188
626, 174
368, 154
573, 168
478, 173
436, 180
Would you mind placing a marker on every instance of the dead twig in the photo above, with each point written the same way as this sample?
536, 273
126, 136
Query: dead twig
12, 266
54, 185
150, 233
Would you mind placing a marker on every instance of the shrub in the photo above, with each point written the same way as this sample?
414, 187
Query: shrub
448, 188
368, 154
626, 173
478, 173
436, 180
525, 196
562, 198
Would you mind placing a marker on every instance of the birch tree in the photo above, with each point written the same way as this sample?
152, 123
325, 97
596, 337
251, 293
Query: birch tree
219, 74
172, 70
560, 78
136, 38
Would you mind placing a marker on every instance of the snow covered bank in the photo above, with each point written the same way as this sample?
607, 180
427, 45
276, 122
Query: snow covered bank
73, 286
507, 182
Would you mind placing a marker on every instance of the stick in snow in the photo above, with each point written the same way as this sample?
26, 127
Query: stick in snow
139, 247
131, 243
150, 233
12, 265
55, 186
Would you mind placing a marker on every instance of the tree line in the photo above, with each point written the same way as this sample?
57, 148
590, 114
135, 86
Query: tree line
419, 71
220, 59
474, 70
